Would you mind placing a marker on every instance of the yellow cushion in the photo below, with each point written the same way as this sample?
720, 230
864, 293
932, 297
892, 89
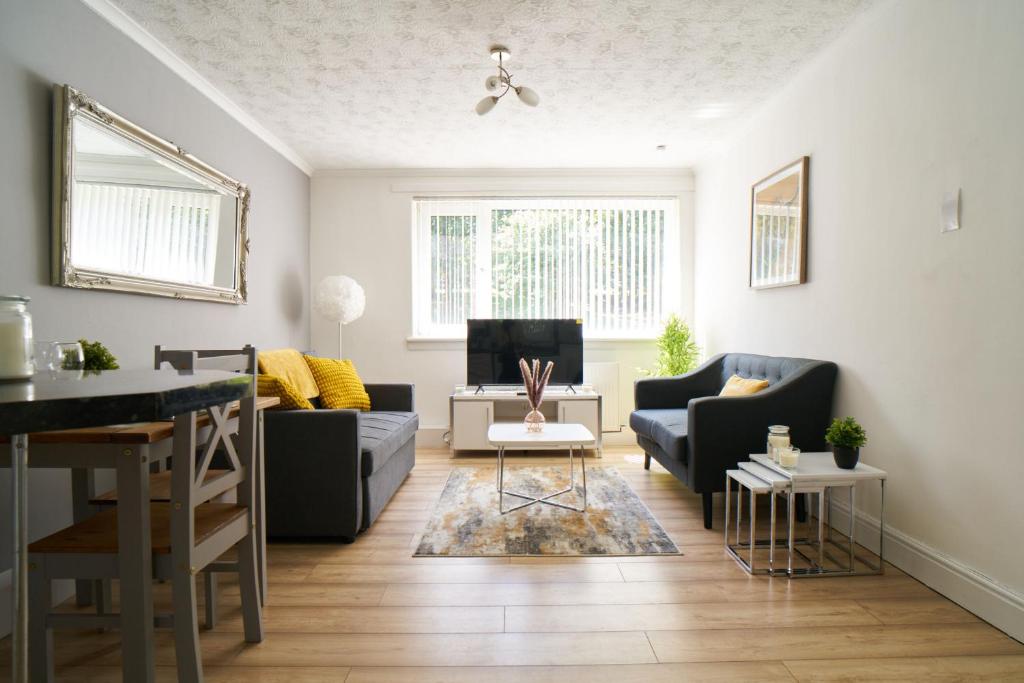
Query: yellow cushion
291, 399
289, 366
340, 386
737, 386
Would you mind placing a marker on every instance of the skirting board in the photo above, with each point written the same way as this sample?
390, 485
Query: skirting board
997, 604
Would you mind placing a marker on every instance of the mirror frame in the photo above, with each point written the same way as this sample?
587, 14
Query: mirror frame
70, 103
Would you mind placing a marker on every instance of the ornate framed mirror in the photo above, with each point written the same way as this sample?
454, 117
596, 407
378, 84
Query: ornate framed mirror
133, 212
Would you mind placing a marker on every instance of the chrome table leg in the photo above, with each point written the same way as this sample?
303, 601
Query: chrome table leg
853, 519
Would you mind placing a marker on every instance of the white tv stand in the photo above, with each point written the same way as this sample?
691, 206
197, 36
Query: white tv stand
471, 413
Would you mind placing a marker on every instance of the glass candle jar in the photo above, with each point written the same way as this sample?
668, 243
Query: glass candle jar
789, 457
778, 438
15, 338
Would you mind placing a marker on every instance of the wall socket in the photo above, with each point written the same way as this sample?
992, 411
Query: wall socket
950, 211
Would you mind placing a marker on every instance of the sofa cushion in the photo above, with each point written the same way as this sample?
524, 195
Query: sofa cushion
289, 365
339, 383
381, 434
738, 386
291, 399
665, 427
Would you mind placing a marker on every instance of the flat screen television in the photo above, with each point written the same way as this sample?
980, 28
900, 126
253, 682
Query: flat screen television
494, 347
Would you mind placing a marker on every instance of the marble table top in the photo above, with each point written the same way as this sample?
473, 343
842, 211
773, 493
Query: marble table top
68, 399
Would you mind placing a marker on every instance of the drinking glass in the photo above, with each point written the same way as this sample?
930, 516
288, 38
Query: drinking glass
71, 355
47, 355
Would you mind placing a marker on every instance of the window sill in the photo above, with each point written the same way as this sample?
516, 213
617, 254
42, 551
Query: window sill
459, 343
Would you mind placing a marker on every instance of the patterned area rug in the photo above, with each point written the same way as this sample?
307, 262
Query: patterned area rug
466, 521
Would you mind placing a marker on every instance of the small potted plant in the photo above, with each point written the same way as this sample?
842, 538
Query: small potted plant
846, 436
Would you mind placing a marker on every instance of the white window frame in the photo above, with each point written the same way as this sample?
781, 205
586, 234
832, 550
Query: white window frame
481, 207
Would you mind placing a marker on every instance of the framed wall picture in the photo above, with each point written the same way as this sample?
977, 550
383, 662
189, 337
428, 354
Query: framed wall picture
778, 227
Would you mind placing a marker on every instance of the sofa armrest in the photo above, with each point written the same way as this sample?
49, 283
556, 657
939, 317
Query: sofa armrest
312, 464
723, 431
676, 392
397, 397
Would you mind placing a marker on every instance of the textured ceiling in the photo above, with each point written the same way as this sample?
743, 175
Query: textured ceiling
393, 83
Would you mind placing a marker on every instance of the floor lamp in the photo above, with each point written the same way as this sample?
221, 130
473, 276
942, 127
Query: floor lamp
339, 298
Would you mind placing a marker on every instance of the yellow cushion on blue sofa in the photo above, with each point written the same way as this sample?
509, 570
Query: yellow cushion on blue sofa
738, 386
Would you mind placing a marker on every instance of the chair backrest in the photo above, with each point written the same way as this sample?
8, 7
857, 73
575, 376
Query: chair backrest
238, 446
772, 368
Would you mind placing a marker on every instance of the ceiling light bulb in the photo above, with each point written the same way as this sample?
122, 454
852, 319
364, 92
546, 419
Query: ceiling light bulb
486, 104
492, 83
528, 97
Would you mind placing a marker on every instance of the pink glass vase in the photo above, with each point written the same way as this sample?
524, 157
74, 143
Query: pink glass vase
534, 420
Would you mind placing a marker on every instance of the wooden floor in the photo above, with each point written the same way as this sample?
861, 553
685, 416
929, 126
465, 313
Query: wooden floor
370, 612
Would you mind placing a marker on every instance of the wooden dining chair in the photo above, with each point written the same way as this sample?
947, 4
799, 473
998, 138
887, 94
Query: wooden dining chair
160, 481
189, 533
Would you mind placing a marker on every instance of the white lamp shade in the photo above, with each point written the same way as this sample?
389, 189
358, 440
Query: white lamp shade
339, 298
528, 97
486, 104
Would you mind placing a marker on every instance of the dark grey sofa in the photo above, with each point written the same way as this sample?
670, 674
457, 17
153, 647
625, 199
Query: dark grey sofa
329, 473
697, 435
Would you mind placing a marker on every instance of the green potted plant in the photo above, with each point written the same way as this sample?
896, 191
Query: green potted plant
677, 352
846, 436
97, 356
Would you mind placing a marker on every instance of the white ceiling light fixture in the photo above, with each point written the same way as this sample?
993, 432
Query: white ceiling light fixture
503, 81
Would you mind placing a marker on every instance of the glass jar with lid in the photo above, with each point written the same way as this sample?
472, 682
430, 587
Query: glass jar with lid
15, 338
778, 438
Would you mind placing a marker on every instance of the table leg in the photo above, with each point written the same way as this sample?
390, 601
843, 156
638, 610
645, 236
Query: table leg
753, 525
135, 565
583, 469
572, 471
261, 509
728, 495
19, 558
821, 530
739, 510
828, 504
771, 535
82, 489
790, 521
501, 479
853, 518
881, 531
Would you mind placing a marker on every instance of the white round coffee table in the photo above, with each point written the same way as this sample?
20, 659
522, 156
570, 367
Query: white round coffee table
555, 435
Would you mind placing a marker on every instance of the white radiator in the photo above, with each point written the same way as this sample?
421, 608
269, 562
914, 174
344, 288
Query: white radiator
604, 377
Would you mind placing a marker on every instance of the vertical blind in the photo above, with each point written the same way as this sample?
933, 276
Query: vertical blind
597, 259
137, 230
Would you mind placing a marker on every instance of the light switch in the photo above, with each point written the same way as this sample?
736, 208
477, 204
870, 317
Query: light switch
950, 211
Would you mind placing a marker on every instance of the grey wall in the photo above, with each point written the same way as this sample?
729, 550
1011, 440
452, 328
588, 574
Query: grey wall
43, 42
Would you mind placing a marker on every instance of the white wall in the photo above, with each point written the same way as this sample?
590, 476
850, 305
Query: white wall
919, 98
362, 227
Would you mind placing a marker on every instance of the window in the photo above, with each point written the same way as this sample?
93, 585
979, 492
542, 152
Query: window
611, 262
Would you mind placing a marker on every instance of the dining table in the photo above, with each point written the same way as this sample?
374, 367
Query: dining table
68, 399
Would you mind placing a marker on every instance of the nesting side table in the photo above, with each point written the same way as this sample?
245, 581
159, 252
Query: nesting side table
817, 474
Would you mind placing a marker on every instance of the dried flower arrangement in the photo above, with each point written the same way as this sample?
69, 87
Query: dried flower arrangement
535, 382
